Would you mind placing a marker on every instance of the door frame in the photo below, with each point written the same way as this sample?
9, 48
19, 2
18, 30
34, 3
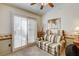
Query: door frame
12, 29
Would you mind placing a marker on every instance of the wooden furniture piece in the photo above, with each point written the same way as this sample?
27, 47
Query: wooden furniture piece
5, 44
72, 49
40, 34
69, 39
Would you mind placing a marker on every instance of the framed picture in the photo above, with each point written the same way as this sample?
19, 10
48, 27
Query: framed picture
54, 24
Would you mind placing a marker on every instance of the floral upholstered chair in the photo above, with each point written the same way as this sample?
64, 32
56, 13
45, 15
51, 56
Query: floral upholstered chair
52, 42
46, 46
42, 40
57, 44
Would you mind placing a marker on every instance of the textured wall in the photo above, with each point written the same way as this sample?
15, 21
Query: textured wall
5, 17
69, 14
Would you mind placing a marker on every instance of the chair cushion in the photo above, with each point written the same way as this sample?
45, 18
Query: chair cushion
43, 42
46, 47
48, 38
55, 38
52, 38
53, 45
48, 43
45, 37
58, 38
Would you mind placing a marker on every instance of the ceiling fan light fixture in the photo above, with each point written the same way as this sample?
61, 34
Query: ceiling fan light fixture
44, 4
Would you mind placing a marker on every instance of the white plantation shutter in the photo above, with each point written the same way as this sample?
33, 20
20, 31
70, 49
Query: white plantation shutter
31, 30
24, 31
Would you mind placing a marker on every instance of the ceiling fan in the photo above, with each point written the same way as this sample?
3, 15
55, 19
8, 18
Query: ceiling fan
44, 4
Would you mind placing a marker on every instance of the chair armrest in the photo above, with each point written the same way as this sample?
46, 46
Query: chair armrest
62, 41
39, 39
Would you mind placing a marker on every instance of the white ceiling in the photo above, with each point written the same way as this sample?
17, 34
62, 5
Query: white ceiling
34, 8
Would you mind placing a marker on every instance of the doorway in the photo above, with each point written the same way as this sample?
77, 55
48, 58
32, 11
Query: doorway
24, 32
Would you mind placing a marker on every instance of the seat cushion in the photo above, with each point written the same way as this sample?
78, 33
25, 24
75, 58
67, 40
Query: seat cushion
49, 37
45, 37
57, 38
52, 38
53, 45
46, 46
43, 44
47, 43
54, 49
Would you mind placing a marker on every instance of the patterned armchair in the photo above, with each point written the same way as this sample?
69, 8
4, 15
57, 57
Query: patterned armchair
52, 42
46, 39
54, 48
42, 40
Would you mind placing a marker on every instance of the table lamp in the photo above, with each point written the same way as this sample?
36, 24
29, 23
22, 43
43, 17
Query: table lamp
77, 30
76, 41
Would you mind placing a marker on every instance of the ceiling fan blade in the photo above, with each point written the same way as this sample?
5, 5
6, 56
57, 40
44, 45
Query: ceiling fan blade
51, 4
41, 7
33, 3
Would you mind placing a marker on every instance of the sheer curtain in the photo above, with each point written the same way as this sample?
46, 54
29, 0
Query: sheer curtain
24, 31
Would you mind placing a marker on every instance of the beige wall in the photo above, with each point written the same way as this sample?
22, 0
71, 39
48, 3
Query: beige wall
69, 14
5, 13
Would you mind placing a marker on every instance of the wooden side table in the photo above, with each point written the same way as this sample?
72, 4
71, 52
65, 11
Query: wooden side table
40, 34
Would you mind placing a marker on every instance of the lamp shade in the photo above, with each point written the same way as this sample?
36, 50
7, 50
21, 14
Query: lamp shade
77, 30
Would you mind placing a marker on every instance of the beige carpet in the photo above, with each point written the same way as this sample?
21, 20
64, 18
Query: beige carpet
30, 51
